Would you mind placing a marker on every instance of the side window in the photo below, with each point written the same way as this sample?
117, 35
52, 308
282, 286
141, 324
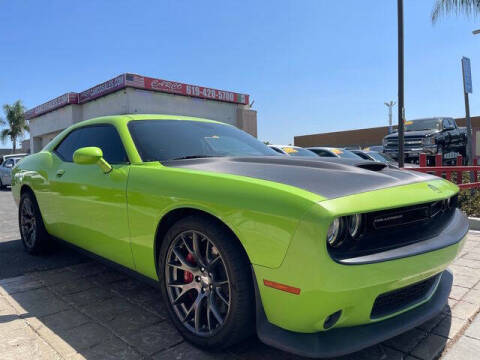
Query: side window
104, 137
452, 123
324, 153
277, 150
362, 155
9, 163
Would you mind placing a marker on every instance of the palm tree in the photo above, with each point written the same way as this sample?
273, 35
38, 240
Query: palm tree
466, 7
15, 120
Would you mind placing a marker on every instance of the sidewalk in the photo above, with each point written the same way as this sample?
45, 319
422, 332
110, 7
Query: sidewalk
89, 311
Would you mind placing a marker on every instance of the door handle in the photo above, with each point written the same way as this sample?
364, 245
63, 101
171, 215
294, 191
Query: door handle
60, 173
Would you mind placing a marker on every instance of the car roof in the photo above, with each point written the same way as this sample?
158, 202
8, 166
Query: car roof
129, 117
14, 156
324, 148
290, 146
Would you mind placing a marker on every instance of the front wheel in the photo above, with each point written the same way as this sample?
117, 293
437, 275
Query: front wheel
32, 230
206, 283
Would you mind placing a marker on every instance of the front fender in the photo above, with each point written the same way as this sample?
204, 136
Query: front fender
262, 214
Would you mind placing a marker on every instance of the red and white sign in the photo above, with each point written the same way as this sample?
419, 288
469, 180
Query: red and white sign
139, 82
173, 87
65, 99
103, 89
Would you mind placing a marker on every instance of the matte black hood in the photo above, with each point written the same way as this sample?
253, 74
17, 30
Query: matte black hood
328, 177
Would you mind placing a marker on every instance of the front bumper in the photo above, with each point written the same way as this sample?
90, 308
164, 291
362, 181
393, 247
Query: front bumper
341, 341
413, 152
352, 286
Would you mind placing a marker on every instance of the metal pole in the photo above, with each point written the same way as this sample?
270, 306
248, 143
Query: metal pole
390, 119
390, 105
469, 129
401, 105
467, 117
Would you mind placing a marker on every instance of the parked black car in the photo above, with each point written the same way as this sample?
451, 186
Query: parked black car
432, 136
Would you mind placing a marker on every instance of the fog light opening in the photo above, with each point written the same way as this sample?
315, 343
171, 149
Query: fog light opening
332, 319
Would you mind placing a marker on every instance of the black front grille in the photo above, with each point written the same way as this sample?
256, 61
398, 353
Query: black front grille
397, 300
410, 142
390, 229
406, 215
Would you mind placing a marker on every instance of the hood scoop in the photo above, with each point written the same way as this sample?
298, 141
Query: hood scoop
373, 166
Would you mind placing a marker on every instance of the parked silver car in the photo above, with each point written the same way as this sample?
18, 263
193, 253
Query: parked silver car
292, 150
9, 161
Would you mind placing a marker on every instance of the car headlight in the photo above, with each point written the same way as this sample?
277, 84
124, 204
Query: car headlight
344, 229
333, 233
430, 140
354, 225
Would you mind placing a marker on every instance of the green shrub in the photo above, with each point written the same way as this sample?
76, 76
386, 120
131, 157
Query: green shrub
469, 202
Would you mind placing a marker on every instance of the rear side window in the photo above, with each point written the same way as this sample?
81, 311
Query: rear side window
362, 155
277, 149
104, 137
322, 153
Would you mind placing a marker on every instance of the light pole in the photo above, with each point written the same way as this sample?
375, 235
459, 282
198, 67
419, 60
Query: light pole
401, 105
390, 105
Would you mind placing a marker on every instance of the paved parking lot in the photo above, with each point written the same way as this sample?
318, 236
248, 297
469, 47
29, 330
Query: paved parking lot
65, 306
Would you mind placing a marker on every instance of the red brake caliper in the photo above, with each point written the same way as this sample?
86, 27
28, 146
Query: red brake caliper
187, 275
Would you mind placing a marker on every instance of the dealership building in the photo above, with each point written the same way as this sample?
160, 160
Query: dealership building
136, 94
362, 138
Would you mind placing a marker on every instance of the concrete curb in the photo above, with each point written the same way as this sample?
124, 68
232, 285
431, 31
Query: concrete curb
474, 223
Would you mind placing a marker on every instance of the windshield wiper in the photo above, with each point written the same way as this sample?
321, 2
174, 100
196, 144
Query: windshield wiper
192, 157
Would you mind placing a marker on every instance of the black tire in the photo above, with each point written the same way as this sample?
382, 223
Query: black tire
1, 185
239, 321
35, 238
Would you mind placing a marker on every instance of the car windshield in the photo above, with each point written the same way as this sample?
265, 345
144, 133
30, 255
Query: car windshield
162, 140
380, 157
346, 154
298, 151
427, 124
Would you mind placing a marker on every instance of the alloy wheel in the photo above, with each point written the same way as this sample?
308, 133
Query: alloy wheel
28, 223
197, 283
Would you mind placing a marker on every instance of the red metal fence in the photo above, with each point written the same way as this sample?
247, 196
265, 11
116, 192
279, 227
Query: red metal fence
452, 173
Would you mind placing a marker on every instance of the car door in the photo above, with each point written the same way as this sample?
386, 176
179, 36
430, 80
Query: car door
91, 205
6, 171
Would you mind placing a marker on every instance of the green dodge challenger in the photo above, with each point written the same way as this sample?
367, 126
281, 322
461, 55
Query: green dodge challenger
321, 257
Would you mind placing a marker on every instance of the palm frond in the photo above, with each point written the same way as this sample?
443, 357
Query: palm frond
465, 7
15, 121
4, 135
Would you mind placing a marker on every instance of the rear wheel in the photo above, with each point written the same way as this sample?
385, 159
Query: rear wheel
32, 230
206, 283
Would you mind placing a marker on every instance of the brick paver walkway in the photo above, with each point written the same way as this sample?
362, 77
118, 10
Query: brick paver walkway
90, 311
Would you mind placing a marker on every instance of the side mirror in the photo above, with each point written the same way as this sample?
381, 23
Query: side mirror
90, 156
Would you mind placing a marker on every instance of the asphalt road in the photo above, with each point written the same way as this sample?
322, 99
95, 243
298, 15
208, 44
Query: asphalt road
14, 261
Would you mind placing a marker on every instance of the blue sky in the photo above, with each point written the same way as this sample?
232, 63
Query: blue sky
311, 66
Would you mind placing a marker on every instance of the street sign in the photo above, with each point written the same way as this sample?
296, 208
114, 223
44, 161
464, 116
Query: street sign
467, 75
467, 89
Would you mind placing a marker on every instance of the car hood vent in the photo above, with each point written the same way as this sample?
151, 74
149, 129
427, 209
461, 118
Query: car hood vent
373, 166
